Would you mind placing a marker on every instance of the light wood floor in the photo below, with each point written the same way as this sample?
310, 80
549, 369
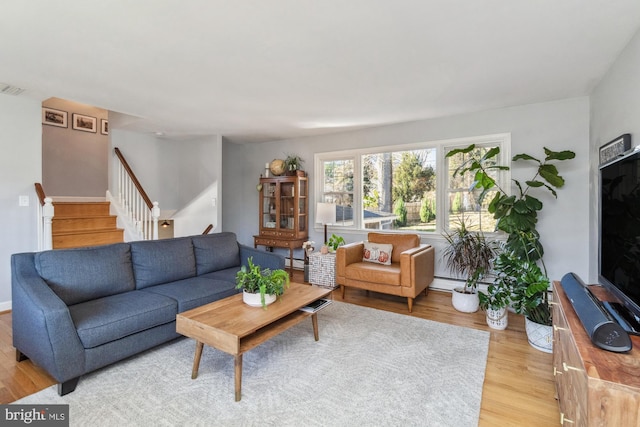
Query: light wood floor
518, 388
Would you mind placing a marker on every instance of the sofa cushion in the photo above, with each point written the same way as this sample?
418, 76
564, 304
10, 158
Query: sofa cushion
379, 253
110, 318
216, 252
400, 241
374, 273
162, 261
83, 274
194, 292
228, 274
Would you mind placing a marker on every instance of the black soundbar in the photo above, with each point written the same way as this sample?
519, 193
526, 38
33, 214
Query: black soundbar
603, 330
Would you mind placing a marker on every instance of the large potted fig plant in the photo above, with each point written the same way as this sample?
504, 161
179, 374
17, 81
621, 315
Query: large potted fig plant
519, 268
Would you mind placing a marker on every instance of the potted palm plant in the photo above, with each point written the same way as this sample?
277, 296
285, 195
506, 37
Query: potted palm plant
519, 268
469, 254
293, 165
260, 286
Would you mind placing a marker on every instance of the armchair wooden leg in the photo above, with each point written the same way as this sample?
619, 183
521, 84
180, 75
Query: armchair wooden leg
342, 289
410, 303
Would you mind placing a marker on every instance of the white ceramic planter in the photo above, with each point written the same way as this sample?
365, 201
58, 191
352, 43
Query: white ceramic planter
498, 319
540, 336
466, 303
254, 299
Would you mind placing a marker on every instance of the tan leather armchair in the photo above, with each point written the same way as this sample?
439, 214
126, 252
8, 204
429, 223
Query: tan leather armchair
410, 272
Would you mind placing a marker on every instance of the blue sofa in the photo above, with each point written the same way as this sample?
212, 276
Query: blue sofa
77, 310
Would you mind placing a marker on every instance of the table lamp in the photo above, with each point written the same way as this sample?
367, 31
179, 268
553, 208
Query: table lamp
325, 214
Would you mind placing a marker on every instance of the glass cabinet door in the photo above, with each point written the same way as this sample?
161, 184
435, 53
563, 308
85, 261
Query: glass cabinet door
287, 197
269, 215
302, 206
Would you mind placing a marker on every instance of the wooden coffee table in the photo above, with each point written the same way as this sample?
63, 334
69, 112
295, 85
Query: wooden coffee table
234, 327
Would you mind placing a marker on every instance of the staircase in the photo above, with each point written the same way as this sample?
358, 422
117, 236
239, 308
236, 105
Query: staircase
78, 224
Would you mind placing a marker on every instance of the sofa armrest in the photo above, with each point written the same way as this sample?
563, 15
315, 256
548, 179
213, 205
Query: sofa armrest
262, 258
345, 255
42, 326
417, 266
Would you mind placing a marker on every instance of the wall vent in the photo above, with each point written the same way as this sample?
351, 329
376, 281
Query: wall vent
10, 90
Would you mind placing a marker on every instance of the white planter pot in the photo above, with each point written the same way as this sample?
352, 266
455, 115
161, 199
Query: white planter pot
466, 303
540, 336
498, 319
254, 299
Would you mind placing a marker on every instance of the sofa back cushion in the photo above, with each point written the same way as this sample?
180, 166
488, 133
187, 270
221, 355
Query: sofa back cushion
400, 242
216, 252
84, 274
162, 261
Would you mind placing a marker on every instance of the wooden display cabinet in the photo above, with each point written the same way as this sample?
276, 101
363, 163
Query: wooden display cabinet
284, 213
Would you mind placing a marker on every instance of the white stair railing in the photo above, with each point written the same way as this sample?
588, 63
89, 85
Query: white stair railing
45, 217
138, 208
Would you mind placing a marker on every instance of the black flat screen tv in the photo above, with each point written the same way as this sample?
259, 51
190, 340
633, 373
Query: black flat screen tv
619, 267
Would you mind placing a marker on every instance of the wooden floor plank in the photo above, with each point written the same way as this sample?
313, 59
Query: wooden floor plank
518, 388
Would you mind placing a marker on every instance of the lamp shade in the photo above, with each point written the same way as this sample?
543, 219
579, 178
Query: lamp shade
325, 213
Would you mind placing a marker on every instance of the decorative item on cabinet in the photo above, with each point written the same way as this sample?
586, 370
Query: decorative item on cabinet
277, 167
293, 165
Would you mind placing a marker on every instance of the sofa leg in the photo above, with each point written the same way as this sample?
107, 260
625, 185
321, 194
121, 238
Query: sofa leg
68, 386
410, 303
20, 356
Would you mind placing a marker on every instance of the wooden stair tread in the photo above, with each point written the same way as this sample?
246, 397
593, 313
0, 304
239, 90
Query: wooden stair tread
62, 217
94, 230
81, 224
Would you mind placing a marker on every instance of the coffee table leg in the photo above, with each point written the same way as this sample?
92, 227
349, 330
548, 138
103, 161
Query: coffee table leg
196, 360
238, 374
314, 320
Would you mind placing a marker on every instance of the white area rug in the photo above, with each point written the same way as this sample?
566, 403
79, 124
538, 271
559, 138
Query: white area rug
370, 368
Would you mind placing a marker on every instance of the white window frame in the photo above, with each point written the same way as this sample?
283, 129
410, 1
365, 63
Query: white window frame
442, 147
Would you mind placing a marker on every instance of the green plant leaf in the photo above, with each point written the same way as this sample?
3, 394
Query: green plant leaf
558, 155
550, 174
534, 183
524, 157
461, 150
490, 154
533, 203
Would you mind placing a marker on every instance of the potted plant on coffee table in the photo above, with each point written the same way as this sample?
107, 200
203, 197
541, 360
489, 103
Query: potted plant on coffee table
468, 254
519, 268
260, 287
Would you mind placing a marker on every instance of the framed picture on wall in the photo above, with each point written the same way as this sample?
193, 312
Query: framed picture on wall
104, 127
54, 117
84, 123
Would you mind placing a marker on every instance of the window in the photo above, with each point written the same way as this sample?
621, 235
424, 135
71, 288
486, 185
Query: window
463, 205
406, 187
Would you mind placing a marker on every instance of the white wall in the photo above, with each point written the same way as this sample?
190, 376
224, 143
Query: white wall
177, 174
560, 125
74, 162
615, 110
20, 168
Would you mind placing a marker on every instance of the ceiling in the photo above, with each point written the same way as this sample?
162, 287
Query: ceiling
266, 70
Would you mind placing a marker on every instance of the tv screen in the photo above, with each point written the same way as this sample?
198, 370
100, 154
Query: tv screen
620, 230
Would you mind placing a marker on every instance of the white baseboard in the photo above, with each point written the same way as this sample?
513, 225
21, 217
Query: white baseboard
444, 284
5, 306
